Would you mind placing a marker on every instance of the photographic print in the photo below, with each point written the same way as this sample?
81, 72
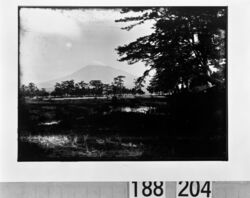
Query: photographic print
122, 83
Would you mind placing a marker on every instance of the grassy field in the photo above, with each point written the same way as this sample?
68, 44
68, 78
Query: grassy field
122, 129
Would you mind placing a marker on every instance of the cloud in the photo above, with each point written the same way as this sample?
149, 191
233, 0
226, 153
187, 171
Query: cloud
49, 21
93, 15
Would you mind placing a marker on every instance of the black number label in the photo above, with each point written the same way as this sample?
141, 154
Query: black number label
195, 189
158, 189
147, 189
181, 193
135, 191
206, 189
194, 192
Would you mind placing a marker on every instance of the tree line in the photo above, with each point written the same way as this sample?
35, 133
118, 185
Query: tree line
72, 88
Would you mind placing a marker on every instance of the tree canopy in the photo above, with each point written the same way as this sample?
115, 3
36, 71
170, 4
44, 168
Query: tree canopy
187, 47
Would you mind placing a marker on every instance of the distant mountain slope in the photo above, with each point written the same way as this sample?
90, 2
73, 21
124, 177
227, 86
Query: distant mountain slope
92, 72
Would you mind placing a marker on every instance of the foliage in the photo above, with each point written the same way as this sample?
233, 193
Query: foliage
31, 90
185, 48
138, 88
97, 87
118, 85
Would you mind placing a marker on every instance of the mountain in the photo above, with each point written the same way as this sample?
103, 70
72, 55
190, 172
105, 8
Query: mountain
92, 72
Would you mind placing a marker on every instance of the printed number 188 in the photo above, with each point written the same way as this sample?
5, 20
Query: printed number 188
147, 189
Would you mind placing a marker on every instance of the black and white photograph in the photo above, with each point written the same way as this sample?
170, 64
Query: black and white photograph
122, 83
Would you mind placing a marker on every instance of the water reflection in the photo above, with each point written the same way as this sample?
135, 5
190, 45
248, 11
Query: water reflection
54, 122
141, 109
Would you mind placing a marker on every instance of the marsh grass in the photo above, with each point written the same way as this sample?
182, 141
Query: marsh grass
173, 128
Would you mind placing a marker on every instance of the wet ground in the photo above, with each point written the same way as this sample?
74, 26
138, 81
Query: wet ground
119, 130
65, 146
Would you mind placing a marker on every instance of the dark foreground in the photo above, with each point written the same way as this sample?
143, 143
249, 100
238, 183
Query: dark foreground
183, 127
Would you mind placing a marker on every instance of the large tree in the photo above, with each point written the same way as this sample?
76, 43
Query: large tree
187, 47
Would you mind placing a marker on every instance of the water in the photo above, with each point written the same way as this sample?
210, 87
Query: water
54, 122
141, 109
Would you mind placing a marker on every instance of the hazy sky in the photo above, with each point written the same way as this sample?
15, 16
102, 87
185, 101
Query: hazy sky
58, 42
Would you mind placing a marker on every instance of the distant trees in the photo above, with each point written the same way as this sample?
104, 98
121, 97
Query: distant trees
97, 87
31, 90
70, 88
107, 89
79, 89
118, 85
66, 88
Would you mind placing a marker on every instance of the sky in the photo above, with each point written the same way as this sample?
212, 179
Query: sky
57, 42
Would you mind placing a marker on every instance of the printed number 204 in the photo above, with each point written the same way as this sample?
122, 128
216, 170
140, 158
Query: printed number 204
194, 189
